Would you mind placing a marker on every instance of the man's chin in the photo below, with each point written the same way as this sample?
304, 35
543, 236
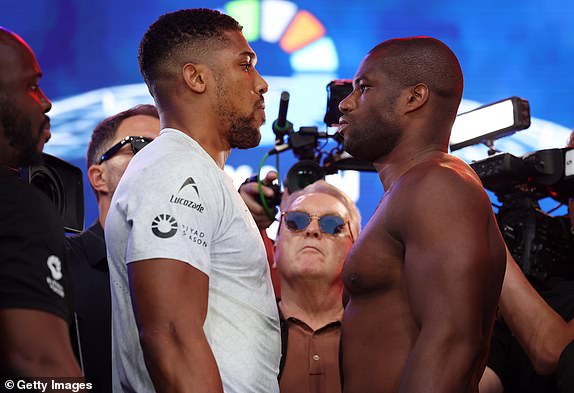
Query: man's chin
248, 144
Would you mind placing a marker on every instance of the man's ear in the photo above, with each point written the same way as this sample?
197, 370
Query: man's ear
97, 176
417, 97
194, 77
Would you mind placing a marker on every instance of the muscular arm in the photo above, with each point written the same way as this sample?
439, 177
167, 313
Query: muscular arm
540, 331
169, 298
35, 344
454, 265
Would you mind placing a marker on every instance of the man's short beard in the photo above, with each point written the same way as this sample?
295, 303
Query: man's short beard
373, 140
18, 130
242, 134
241, 131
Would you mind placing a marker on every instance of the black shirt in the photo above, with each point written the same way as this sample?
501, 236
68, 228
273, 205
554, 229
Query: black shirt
89, 266
507, 358
33, 270
565, 371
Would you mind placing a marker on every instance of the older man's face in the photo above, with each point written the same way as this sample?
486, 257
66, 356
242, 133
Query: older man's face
311, 253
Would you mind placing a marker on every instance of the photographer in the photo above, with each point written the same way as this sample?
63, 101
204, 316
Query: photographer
531, 331
35, 298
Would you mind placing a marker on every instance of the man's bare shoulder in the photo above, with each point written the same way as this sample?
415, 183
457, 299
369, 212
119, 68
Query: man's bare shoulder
443, 174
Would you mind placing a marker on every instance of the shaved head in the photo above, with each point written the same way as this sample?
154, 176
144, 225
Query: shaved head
408, 61
12, 46
24, 127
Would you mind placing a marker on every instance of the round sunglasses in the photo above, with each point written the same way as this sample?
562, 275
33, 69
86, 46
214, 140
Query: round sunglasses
136, 142
329, 224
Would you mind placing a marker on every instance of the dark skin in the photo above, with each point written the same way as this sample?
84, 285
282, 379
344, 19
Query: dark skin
175, 348
425, 275
176, 351
19, 81
26, 349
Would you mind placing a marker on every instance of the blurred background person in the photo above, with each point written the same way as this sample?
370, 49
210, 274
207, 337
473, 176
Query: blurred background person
35, 289
531, 331
317, 229
114, 142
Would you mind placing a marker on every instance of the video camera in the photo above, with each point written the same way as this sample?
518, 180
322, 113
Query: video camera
62, 183
542, 244
314, 161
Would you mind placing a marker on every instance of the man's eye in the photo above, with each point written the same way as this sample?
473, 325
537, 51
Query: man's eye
362, 88
247, 66
34, 87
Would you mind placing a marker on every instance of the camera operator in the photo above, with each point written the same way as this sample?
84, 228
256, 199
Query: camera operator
531, 332
35, 298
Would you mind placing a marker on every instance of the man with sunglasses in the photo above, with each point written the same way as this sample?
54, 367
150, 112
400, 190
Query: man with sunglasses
425, 276
114, 142
317, 229
35, 288
193, 306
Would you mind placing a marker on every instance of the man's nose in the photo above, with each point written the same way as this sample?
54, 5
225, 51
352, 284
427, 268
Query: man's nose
262, 86
46, 103
346, 103
313, 229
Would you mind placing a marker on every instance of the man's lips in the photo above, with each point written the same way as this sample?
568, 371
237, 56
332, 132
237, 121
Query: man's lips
260, 106
343, 123
311, 248
46, 129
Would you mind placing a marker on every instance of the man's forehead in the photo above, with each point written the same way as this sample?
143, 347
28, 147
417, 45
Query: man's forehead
318, 201
366, 68
16, 55
237, 45
138, 125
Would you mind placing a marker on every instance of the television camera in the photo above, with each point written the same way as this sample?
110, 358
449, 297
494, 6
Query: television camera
542, 244
314, 161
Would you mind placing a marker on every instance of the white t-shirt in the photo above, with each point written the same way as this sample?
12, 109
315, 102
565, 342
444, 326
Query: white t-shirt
175, 202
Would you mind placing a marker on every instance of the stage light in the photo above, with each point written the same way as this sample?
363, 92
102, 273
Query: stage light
490, 122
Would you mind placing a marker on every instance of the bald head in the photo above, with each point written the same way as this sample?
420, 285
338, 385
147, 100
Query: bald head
409, 61
24, 127
12, 49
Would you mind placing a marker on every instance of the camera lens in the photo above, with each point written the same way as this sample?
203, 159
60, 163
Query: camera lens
302, 174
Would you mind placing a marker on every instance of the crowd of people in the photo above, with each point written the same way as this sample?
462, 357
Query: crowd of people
176, 286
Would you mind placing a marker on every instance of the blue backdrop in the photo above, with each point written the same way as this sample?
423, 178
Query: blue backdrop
88, 52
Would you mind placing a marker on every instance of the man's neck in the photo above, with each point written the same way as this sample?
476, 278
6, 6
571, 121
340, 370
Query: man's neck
390, 168
312, 304
206, 134
103, 208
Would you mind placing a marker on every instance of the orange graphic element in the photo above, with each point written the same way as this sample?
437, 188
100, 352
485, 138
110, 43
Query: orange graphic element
303, 30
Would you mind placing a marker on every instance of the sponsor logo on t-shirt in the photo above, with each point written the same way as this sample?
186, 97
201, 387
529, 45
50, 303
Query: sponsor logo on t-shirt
164, 226
189, 182
55, 266
195, 235
187, 203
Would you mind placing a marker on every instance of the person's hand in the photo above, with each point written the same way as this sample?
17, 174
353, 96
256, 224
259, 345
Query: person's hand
250, 192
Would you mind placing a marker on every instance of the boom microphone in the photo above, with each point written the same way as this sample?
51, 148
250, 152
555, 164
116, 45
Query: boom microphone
281, 126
